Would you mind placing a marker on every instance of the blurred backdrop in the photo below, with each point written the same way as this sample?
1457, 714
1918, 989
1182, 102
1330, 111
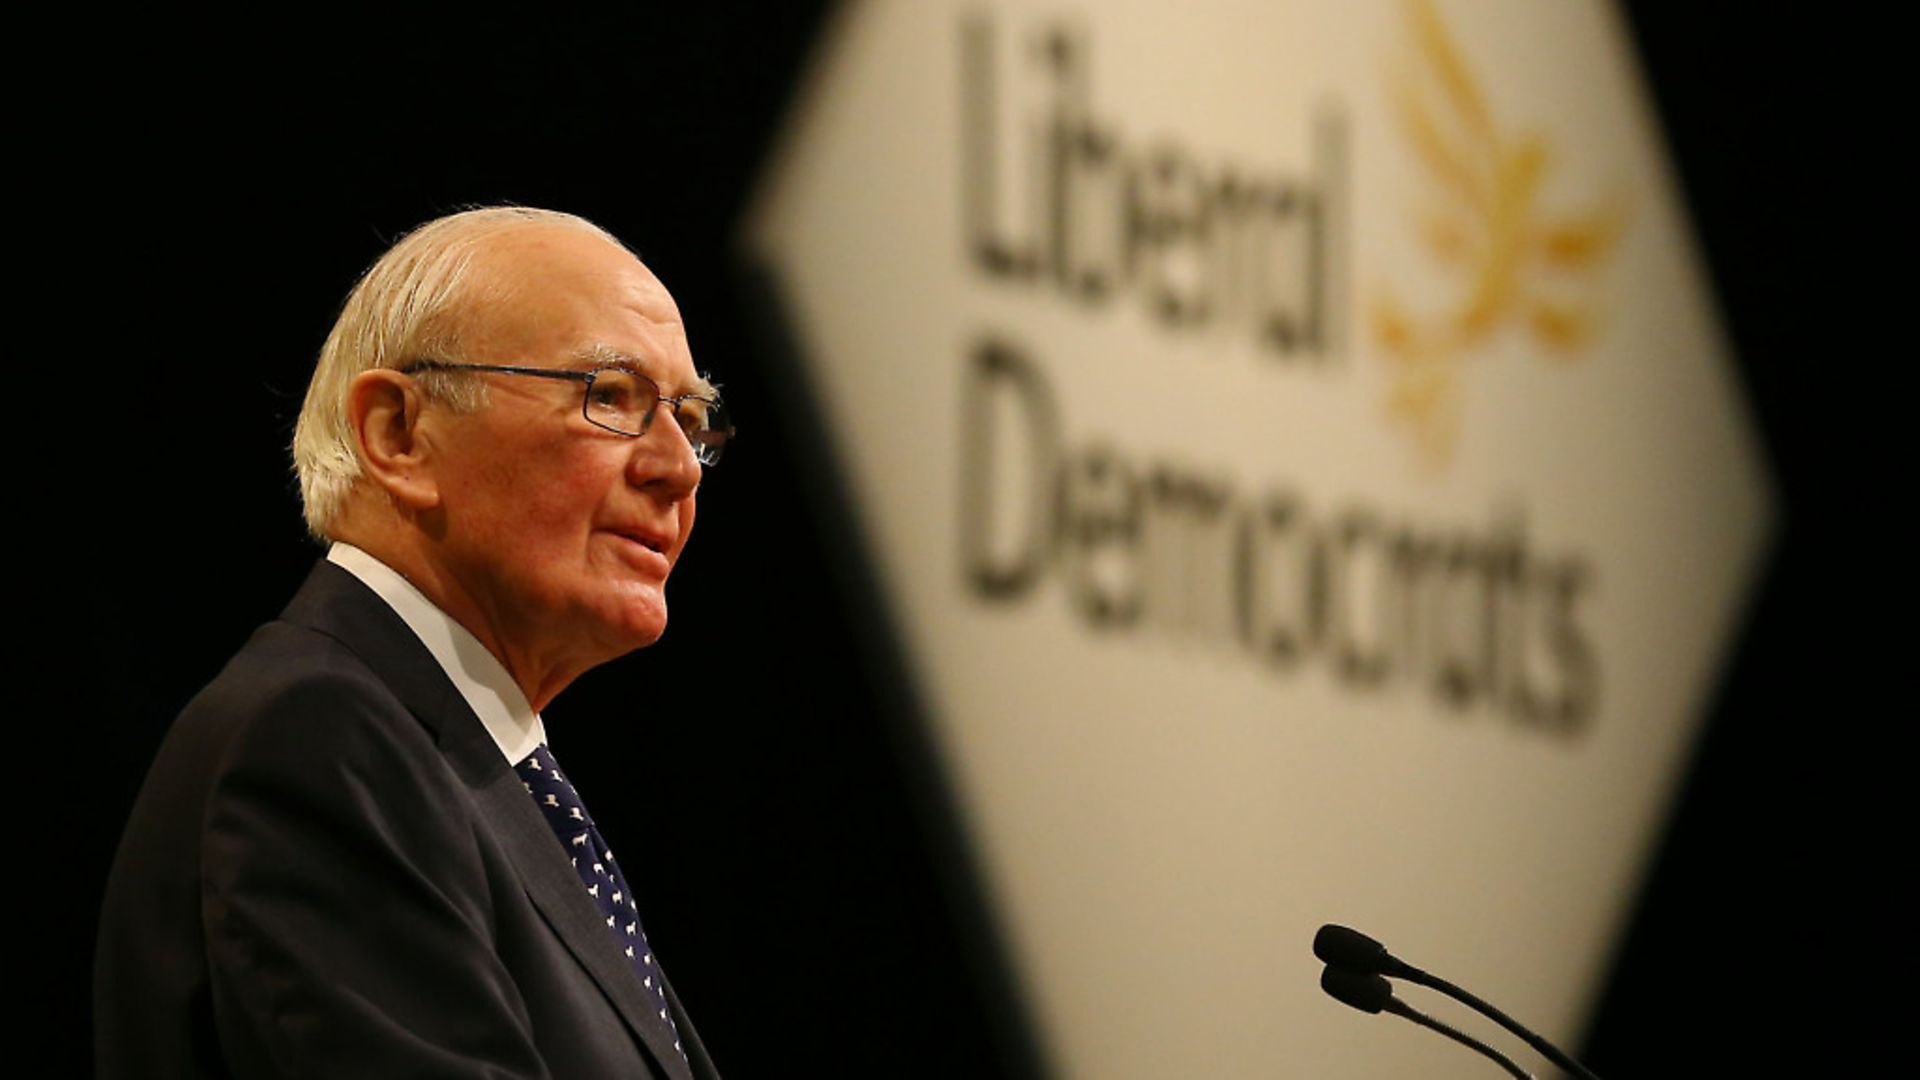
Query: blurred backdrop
814, 877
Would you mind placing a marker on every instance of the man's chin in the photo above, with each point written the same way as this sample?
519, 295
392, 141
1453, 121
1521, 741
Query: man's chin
640, 628
619, 618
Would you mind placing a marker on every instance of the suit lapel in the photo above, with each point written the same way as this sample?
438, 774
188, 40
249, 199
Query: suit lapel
335, 602
695, 1050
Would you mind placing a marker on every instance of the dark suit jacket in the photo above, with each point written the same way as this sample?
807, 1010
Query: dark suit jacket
332, 871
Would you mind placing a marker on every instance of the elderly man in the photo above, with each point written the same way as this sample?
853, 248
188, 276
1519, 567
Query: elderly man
354, 855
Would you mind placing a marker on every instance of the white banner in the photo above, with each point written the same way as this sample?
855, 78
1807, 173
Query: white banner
1299, 448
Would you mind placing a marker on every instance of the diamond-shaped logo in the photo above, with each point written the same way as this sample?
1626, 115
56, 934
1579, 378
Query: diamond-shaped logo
1305, 472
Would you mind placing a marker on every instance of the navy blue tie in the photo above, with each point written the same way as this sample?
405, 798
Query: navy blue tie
598, 872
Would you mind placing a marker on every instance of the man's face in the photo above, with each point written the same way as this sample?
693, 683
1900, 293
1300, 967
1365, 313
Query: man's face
559, 535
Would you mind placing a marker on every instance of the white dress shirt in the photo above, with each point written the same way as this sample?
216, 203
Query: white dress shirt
481, 679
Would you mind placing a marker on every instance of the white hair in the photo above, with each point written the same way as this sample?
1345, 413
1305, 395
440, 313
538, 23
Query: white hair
412, 304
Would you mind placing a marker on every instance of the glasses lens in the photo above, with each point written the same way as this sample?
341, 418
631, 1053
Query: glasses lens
621, 400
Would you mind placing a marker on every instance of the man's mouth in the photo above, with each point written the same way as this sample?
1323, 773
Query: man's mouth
655, 542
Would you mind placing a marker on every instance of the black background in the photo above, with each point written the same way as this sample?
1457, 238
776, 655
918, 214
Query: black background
213, 187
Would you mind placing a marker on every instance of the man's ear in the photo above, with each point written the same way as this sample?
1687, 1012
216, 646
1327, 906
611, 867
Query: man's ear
383, 409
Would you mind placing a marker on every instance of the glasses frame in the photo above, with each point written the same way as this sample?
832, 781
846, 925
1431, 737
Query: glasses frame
707, 453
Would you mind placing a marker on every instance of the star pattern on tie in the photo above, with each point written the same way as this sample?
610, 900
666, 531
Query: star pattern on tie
600, 875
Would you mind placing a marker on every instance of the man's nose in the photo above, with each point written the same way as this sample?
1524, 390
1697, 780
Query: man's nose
664, 458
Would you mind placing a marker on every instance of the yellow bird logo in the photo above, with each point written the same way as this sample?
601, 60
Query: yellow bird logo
1484, 222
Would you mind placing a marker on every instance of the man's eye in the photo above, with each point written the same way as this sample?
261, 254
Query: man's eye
614, 393
692, 414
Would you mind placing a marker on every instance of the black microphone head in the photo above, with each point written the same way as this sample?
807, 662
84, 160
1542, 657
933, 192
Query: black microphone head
1346, 948
1366, 992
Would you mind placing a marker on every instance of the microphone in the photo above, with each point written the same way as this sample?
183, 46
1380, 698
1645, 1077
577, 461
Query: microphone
1370, 993
1355, 951
1341, 947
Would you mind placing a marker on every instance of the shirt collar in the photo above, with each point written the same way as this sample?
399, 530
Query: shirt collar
481, 679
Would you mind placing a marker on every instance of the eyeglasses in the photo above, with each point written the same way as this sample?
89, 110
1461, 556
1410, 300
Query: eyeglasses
623, 401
